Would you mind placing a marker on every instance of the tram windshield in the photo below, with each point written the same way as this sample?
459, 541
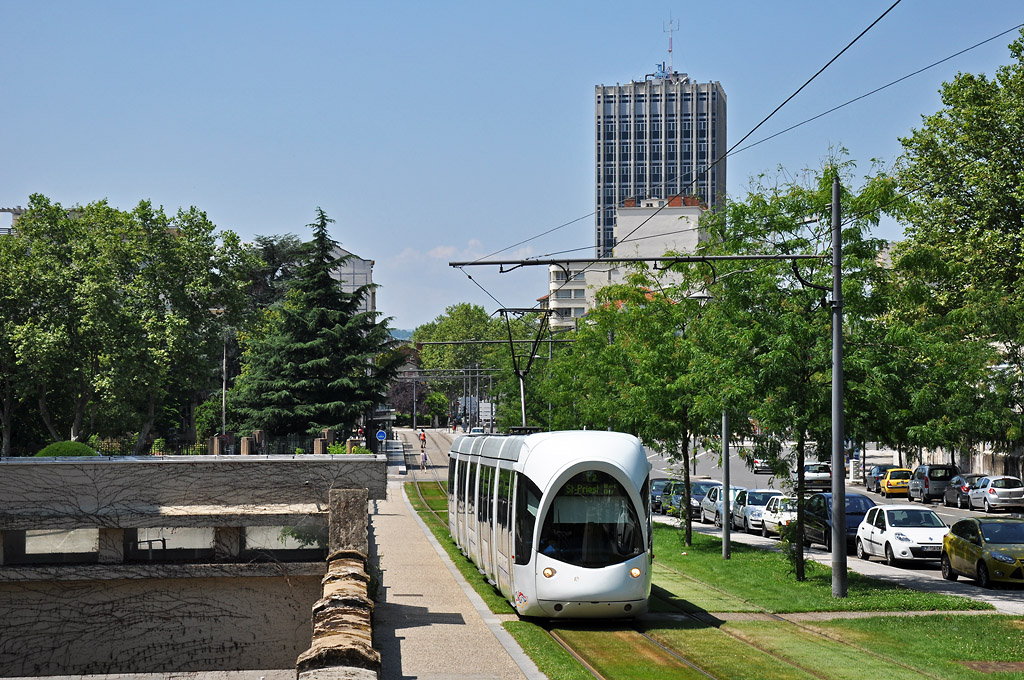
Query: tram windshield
591, 523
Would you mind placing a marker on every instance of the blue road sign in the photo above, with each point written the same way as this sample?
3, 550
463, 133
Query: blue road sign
381, 435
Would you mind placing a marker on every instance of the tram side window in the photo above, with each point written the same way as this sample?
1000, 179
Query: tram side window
460, 491
527, 502
471, 490
504, 493
451, 474
484, 510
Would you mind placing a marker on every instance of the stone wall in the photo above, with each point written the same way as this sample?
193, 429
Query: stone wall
149, 619
135, 492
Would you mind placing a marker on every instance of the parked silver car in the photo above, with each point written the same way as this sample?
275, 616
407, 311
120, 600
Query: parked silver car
711, 506
995, 492
929, 482
746, 511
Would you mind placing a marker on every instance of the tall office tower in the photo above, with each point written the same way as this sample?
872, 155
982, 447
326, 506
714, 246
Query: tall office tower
656, 138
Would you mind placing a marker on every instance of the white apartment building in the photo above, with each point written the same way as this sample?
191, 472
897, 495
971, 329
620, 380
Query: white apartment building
651, 229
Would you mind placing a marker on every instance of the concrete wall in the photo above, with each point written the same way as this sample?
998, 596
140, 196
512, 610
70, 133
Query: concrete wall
149, 491
149, 625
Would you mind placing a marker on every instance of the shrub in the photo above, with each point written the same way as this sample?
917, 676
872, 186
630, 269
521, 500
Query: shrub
66, 449
159, 445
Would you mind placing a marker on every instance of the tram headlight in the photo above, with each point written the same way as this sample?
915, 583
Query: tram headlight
548, 572
635, 572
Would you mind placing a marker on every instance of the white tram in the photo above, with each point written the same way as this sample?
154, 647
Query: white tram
560, 522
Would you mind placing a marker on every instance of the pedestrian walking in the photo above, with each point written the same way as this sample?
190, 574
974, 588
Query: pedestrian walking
423, 440
423, 459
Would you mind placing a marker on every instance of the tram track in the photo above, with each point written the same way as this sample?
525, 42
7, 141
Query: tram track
817, 632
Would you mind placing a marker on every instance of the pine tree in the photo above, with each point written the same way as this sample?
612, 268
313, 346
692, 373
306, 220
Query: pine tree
319, 361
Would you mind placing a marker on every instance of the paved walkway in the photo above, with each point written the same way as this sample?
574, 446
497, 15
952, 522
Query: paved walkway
430, 624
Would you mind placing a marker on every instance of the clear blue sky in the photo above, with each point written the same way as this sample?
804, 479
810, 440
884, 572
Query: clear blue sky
434, 131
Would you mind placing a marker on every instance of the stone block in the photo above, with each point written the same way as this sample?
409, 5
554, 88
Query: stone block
328, 434
320, 446
111, 546
248, 446
348, 520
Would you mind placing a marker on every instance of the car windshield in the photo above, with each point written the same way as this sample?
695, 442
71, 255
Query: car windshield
856, 505
760, 497
999, 532
899, 474
1007, 483
817, 469
701, 488
914, 518
658, 485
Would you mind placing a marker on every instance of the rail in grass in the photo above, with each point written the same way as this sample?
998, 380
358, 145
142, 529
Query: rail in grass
559, 522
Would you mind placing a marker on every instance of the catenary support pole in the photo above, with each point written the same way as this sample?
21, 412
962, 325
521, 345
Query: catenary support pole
839, 585
726, 509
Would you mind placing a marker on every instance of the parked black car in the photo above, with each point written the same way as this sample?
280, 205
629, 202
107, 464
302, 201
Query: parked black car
875, 475
956, 490
657, 487
818, 518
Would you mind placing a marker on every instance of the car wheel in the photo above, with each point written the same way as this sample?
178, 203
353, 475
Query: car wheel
988, 507
764, 529
890, 558
983, 579
861, 553
960, 502
881, 492
703, 519
718, 520
828, 542
910, 497
945, 501
746, 526
947, 568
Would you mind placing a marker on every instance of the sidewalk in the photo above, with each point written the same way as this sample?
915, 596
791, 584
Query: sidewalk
428, 623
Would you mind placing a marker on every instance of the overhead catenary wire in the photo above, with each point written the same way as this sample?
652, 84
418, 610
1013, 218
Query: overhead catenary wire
744, 138
761, 141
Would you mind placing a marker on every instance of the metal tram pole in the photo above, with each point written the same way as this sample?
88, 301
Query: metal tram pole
414, 383
839, 585
726, 516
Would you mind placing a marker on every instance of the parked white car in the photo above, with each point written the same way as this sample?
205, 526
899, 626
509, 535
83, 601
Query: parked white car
995, 492
900, 532
711, 506
780, 512
749, 505
817, 476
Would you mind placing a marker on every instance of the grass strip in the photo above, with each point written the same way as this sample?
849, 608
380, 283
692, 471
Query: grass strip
624, 653
723, 656
937, 643
765, 578
491, 597
673, 592
552, 660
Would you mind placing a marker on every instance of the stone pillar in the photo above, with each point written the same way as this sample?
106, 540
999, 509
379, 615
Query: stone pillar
111, 548
348, 520
261, 440
216, 446
248, 446
320, 446
227, 543
328, 435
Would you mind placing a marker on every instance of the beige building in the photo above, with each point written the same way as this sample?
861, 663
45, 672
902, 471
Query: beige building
651, 228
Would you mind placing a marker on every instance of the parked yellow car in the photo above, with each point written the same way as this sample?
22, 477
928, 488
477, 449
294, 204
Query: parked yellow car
896, 482
984, 549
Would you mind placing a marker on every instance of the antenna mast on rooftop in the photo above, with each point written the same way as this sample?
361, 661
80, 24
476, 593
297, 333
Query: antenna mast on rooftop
672, 27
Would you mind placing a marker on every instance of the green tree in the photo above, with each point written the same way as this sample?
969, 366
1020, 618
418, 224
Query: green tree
963, 257
317, 361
